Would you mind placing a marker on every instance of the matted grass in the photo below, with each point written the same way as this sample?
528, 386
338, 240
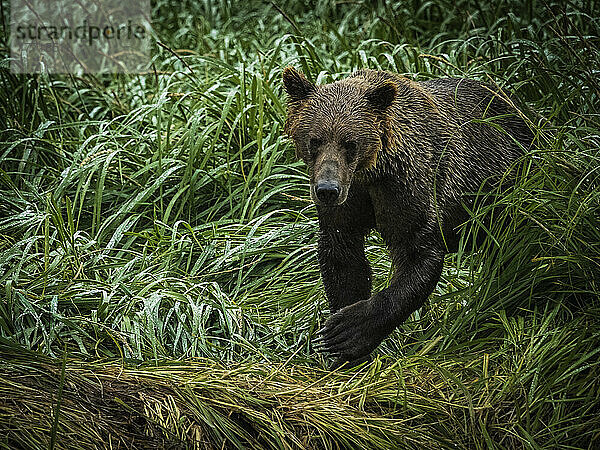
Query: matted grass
483, 399
158, 243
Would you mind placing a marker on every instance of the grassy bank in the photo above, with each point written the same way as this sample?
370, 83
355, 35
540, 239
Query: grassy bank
158, 274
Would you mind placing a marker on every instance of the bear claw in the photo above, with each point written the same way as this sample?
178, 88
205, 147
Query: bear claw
350, 333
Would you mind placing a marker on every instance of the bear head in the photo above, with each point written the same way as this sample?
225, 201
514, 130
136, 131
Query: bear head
338, 129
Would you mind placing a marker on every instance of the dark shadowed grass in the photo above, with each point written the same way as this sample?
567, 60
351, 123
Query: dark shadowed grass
156, 230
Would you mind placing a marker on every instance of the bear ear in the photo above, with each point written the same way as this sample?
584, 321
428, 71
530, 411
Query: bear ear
382, 95
296, 84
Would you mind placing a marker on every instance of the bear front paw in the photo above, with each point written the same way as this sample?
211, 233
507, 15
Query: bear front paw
351, 333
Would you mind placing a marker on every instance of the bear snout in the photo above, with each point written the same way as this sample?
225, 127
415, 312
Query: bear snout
329, 180
328, 192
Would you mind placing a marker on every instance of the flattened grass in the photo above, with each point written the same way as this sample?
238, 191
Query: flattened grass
527, 392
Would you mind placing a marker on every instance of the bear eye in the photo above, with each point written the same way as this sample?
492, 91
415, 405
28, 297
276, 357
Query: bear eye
313, 146
351, 148
315, 143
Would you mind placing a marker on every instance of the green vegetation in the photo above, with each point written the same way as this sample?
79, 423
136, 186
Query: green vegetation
158, 279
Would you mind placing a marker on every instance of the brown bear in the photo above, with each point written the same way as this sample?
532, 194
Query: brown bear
402, 157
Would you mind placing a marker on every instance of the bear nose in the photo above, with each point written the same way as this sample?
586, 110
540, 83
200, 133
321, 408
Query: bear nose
328, 192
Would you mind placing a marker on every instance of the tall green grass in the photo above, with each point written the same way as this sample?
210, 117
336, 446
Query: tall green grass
163, 216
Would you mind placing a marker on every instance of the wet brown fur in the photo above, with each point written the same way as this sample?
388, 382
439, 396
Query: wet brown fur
421, 149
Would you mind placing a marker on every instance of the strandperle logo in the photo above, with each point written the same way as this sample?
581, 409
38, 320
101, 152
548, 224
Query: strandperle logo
85, 32
79, 36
